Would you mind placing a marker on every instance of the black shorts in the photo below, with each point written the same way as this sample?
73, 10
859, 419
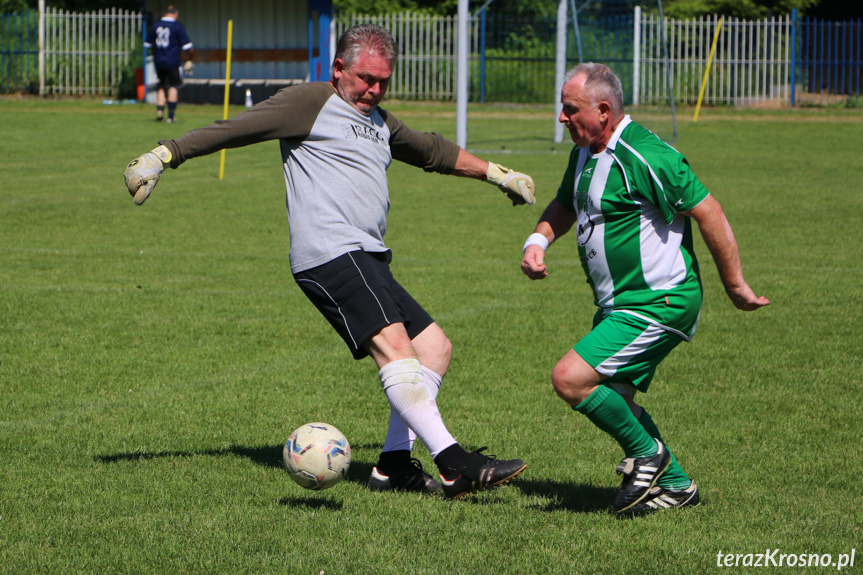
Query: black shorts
358, 295
169, 78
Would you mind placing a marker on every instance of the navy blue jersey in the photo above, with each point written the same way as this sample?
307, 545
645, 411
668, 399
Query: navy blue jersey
167, 38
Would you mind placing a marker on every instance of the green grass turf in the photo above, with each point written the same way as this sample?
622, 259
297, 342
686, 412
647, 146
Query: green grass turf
154, 359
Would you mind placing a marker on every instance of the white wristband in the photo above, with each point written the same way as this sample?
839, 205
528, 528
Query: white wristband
536, 240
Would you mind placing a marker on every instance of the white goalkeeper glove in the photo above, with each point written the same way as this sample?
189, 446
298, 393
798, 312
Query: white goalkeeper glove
188, 66
517, 186
142, 173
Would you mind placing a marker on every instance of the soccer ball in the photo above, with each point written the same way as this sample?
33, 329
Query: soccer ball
317, 456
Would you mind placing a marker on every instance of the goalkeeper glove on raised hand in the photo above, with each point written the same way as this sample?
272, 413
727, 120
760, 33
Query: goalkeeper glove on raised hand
517, 186
142, 173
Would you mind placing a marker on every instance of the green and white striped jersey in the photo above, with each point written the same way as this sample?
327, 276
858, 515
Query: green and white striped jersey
634, 244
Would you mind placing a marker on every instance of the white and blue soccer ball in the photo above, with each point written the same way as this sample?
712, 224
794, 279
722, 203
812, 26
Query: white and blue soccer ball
317, 456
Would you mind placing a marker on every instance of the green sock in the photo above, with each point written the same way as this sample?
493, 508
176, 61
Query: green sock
609, 412
674, 477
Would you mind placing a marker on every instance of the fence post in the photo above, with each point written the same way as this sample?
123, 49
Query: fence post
793, 56
144, 29
41, 47
482, 55
461, 84
636, 56
669, 80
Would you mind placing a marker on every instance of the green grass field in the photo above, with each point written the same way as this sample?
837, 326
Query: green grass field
154, 359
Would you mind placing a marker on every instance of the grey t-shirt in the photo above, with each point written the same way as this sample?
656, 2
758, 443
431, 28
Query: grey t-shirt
335, 162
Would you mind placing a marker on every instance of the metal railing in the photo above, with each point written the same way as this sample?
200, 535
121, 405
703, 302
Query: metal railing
777, 61
86, 53
19, 51
751, 64
829, 62
89, 53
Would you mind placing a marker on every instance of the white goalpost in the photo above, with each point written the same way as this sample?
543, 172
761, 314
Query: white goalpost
560, 66
462, 77
663, 116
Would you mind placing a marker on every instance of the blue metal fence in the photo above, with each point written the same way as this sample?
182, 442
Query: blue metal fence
513, 58
19, 51
828, 62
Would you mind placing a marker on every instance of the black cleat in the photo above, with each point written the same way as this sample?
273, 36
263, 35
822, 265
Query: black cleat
661, 498
639, 476
411, 478
486, 472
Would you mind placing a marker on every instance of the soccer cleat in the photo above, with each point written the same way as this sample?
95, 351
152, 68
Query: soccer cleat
661, 498
639, 476
170, 120
487, 473
159, 115
411, 478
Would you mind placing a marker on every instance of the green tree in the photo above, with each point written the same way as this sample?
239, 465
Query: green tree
10, 6
749, 9
441, 7
7, 6
837, 10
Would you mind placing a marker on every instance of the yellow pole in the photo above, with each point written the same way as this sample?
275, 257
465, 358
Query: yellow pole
227, 91
707, 69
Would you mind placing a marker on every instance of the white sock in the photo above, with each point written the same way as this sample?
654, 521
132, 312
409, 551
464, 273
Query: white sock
400, 437
410, 398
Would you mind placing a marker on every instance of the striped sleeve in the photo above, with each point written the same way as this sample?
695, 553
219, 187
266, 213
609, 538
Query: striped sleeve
662, 176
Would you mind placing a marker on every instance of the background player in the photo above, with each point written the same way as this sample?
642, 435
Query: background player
170, 45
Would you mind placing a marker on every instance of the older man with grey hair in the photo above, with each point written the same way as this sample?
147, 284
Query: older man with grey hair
336, 146
631, 198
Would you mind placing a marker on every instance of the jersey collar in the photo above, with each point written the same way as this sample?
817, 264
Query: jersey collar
615, 137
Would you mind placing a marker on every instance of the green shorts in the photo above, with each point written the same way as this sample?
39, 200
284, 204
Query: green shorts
626, 348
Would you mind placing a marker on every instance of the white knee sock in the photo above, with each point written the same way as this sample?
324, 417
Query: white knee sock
400, 437
411, 400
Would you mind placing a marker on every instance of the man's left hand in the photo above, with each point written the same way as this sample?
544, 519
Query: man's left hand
745, 299
533, 263
517, 186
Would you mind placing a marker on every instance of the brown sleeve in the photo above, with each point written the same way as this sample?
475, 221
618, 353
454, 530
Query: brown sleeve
427, 150
287, 115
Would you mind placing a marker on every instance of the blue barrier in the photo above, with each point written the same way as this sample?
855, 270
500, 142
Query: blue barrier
19, 51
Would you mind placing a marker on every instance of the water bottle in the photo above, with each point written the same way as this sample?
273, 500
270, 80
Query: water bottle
248, 98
